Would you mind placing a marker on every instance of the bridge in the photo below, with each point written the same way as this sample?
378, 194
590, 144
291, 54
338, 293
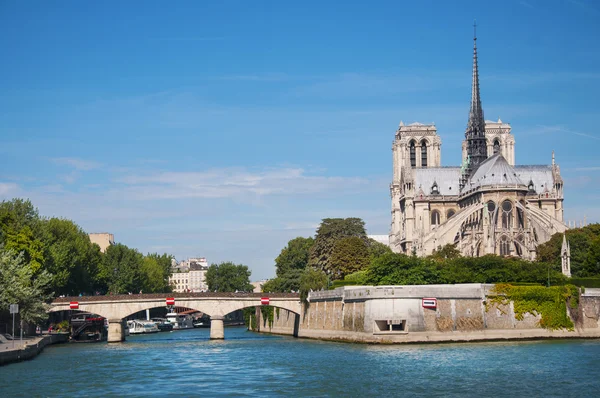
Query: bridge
115, 308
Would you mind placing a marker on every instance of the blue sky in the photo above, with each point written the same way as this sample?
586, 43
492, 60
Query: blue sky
224, 129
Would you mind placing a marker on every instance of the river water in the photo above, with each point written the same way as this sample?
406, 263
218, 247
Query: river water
187, 363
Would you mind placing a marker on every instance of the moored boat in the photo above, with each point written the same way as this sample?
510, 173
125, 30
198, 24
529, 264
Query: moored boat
137, 326
180, 321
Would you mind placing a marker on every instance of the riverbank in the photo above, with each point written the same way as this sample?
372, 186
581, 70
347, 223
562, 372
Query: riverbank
28, 348
429, 314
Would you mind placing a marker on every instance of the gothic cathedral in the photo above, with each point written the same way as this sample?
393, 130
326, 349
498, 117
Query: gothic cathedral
488, 205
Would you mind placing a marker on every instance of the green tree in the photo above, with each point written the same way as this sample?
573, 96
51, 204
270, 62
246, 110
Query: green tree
449, 251
312, 280
329, 232
294, 256
121, 270
156, 270
377, 249
72, 258
286, 283
349, 255
19, 285
228, 277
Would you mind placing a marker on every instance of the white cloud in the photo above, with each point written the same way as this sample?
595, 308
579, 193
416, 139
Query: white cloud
8, 189
232, 183
78, 164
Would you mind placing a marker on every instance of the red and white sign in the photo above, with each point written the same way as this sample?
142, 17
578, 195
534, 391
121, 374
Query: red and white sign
429, 303
170, 301
74, 305
264, 300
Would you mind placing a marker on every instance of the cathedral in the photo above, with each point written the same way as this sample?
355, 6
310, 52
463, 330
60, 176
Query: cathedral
488, 205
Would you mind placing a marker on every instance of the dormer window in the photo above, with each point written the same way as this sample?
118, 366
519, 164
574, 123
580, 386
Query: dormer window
531, 186
434, 189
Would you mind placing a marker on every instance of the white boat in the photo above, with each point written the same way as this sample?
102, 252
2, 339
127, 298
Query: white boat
137, 326
180, 321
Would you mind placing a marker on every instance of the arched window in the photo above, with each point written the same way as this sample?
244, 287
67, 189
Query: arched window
496, 146
507, 214
423, 153
413, 154
504, 246
435, 190
450, 213
491, 207
520, 218
435, 217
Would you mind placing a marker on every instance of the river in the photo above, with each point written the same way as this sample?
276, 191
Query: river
187, 363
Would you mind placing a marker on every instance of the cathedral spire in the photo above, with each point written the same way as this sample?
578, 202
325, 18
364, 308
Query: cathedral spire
475, 133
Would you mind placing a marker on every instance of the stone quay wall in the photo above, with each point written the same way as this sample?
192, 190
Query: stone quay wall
395, 314
30, 349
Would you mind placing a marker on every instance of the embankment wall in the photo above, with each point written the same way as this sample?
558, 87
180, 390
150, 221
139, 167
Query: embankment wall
29, 349
395, 314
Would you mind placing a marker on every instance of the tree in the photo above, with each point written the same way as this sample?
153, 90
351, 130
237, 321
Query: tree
329, 232
19, 285
72, 258
311, 280
377, 249
228, 277
156, 269
349, 255
294, 256
121, 270
449, 251
286, 283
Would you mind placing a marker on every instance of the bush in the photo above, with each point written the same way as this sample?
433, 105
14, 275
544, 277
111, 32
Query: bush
586, 282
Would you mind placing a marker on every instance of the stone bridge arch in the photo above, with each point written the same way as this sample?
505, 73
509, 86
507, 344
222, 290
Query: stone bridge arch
116, 308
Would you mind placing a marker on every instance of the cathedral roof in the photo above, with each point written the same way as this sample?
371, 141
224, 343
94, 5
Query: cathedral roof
494, 171
446, 178
540, 175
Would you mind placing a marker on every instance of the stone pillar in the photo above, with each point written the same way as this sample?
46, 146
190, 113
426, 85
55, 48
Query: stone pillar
216, 327
116, 330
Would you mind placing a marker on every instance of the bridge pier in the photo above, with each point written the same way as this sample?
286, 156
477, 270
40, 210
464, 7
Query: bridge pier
116, 330
217, 330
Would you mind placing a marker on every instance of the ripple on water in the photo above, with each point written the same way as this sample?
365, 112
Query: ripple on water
188, 363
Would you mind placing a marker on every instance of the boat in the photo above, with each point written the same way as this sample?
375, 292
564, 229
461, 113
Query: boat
180, 321
163, 324
137, 326
202, 322
86, 327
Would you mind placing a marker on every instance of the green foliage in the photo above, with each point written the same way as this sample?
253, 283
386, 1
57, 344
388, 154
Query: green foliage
585, 250
156, 269
449, 251
72, 258
121, 270
549, 302
286, 283
312, 279
250, 318
329, 232
267, 313
399, 269
294, 256
228, 277
585, 282
349, 255
19, 285
377, 249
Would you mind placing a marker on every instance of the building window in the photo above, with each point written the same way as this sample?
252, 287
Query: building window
504, 246
496, 146
507, 214
435, 189
450, 213
413, 154
435, 217
423, 153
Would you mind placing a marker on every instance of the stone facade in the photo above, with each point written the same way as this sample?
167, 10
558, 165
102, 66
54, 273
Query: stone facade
488, 205
395, 314
102, 239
